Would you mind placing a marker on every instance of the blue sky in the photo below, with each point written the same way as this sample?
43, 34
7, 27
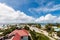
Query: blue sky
25, 5
40, 11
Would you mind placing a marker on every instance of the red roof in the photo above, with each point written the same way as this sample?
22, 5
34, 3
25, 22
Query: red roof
20, 32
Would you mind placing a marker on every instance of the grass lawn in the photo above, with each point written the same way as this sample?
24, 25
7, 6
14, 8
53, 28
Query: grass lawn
38, 36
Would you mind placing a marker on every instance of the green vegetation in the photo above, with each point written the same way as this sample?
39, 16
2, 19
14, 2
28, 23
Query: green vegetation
34, 35
48, 28
38, 26
7, 31
58, 33
1, 30
58, 25
38, 36
27, 28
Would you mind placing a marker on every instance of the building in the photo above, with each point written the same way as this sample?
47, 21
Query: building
20, 35
56, 29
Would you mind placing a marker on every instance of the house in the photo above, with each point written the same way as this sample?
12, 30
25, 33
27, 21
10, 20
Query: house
56, 29
20, 35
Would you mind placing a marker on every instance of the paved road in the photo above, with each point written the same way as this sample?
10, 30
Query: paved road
40, 31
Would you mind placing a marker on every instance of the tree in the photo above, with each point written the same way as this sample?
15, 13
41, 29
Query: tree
58, 33
58, 25
38, 25
7, 31
33, 34
48, 27
27, 28
38, 36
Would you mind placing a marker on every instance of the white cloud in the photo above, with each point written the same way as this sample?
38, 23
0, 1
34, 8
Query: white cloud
48, 19
49, 7
9, 15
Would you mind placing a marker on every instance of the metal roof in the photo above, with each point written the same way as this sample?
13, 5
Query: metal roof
20, 32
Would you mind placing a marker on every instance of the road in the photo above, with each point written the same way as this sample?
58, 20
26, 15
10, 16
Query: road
40, 31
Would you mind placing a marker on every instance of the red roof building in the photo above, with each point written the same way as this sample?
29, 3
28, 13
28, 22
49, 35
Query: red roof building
20, 35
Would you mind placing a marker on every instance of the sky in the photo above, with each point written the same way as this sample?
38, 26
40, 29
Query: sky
29, 11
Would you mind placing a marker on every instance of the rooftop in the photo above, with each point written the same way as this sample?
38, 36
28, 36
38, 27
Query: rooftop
20, 32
